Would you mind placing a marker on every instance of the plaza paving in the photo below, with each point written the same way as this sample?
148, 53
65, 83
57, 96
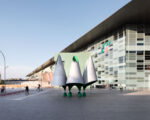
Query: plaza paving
98, 105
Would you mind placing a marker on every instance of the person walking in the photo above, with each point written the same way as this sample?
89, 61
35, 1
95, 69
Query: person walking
3, 89
26, 90
39, 88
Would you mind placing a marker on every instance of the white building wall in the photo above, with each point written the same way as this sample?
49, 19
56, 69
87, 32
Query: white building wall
138, 56
127, 60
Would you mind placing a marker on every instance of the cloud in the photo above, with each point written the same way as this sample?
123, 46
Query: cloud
16, 71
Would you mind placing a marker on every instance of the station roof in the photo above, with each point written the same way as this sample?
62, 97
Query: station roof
135, 12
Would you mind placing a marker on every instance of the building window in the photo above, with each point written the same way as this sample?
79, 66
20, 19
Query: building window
99, 72
106, 68
140, 44
139, 39
121, 59
139, 52
147, 57
140, 61
139, 67
147, 34
115, 72
132, 51
147, 67
106, 72
121, 67
147, 31
111, 69
147, 53
99, 82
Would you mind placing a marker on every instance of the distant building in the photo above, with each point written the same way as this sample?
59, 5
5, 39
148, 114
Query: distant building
14, 83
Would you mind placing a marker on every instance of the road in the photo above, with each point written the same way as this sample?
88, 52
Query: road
98, 105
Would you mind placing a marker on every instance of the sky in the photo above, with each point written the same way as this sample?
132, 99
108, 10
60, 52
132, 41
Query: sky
32, 31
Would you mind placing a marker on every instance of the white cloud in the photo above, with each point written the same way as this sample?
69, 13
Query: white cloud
16, 71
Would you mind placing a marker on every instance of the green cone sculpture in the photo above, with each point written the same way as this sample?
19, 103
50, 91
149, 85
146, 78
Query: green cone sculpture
59, 77
75, 77
89, 75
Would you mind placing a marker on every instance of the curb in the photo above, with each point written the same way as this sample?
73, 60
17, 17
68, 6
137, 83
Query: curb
12, 93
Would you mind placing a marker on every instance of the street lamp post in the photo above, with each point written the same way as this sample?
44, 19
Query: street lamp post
4, 64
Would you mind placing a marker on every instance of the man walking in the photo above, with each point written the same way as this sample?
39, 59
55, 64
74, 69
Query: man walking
27, 90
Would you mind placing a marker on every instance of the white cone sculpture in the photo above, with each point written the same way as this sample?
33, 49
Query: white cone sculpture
59, 77
75, 76
89, 75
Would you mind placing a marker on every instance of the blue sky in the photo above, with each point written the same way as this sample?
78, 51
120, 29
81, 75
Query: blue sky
32, 31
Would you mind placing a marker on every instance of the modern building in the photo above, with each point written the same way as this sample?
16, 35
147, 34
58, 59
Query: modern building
119, 46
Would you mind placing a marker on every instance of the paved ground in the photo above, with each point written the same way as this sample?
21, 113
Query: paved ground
98, 105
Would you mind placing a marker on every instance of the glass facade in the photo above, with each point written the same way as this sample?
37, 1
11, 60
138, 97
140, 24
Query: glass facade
123, 57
